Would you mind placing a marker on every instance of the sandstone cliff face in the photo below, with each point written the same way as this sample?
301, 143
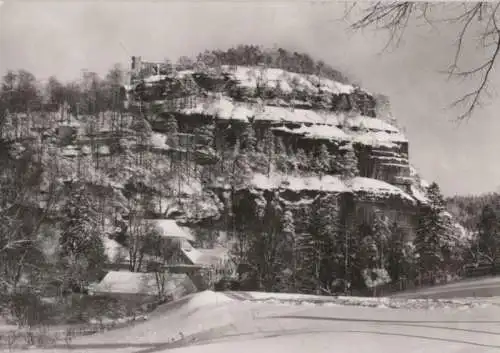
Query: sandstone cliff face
303, 112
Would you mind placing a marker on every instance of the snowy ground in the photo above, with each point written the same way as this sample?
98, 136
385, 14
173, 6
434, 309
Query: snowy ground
249, 322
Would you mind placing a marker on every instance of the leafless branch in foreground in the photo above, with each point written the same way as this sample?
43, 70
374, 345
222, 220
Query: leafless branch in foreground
474, 22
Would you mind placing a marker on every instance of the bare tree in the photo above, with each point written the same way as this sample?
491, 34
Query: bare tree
140, 242
163, 251
475, 22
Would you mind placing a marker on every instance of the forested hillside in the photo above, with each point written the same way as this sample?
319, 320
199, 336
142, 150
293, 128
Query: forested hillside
480, 215
305, 177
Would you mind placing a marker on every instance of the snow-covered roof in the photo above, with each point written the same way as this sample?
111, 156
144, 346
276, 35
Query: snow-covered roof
125, 282
170, 229
206, 257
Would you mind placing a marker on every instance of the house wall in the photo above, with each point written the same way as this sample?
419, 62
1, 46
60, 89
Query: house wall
130, 298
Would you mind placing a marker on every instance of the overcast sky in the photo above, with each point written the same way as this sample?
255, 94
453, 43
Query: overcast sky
62, 38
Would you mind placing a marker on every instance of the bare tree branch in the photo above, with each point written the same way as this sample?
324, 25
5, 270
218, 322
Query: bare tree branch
394, 18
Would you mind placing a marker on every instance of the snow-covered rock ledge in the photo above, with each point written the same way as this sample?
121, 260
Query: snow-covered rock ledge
330, 184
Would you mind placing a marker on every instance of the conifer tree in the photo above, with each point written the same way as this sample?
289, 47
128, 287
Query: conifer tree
322, 162
382, 233
368, 252
430, 232
248, 139
349, 163
318, 258
82, 251
289, 236
302, 160
396, 261
327, 228
266, 249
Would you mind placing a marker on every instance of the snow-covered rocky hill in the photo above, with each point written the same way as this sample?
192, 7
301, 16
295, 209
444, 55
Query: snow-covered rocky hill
314, 123
268, 158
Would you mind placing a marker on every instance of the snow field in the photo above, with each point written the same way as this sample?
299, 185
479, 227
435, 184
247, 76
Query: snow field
218, 322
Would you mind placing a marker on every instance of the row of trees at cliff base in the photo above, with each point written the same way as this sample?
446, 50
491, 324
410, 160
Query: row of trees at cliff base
328, 248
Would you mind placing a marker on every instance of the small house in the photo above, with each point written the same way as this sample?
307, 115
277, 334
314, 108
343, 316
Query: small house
141, 287
205, 266
168, 228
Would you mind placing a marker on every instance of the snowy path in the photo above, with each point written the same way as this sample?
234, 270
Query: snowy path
216, 322
481, 288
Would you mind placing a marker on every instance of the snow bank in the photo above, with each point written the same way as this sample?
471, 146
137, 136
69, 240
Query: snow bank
281, 114
225, 108
418, 194
324, 132
360, 184
369, 123
207, 298
379, 138
221, 107
328, 183
249, 77
370, 302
